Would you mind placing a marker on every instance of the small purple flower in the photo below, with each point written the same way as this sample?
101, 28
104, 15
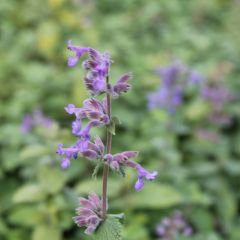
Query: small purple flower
27, 124
96, 110
195, 77
35, 119
143, 174
79, 51
217, 96
65, 163
122, 159
83, 147
175, 78
94, 150
172, 226
89, 215
69, 153
97, 67
122, 85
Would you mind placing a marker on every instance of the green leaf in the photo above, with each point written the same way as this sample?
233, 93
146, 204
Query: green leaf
164, 196
110, 229
116, 120
26, 215
33, 151
119, 216
192, 193
46, 232
51, 179
122, 171
96, 169
29, 193
111, 127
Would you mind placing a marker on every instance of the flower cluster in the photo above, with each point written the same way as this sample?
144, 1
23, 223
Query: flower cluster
97, 68
98, 114
35, 119
217, 95
119, 160
174, 78
171, 227
89, 215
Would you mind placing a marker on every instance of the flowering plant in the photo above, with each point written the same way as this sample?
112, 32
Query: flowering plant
172, 227
175, 78
93, 211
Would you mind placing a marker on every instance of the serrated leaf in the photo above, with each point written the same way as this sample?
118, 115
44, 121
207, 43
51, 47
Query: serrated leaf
29, 193
110, 229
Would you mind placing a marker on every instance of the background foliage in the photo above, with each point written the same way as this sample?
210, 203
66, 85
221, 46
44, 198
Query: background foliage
198, 176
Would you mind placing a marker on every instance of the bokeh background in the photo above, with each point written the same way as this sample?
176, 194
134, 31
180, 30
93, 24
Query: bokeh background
197, 159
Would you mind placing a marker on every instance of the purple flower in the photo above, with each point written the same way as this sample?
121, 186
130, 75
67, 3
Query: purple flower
27, 124
142, 175
172, 226
97, 67
69, 153
195, 77
35, 119
78, 51
122, 85
84, 148
122, 159
89, 215
96, 110
217, 96
175, 78
94, 150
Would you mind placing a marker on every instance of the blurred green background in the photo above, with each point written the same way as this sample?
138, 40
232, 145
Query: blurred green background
197, 175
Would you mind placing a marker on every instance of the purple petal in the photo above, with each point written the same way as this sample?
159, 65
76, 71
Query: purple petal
65, 163
139, 184
124, 78
99, 144
79, 51
130, 154
90, 154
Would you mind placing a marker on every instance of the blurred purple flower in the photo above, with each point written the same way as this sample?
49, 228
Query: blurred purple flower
35, 119
206, 134
89, 215
175, 78
172, 226
217, 95
27, 124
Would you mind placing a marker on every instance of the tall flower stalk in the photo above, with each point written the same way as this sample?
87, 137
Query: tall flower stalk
93, 210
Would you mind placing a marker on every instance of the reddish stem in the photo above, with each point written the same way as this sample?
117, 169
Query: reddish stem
108, 150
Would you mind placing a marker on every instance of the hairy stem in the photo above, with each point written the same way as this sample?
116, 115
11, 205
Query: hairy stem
108, 150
